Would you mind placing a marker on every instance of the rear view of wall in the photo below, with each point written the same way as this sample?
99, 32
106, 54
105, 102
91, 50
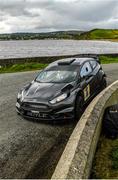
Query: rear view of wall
76, 160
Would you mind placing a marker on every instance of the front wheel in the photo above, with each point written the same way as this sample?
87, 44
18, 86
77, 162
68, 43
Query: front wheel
104, 83
78, 107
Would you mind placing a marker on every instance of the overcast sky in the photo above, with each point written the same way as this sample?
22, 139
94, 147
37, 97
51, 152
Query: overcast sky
54, 15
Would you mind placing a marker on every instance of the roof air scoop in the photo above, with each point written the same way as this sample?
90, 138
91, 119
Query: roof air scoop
68, 62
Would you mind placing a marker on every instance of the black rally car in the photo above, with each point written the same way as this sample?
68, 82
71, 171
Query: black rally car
62, 89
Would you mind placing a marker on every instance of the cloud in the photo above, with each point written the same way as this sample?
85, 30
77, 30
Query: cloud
51, 15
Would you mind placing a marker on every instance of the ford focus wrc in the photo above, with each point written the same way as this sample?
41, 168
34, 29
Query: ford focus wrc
62, 89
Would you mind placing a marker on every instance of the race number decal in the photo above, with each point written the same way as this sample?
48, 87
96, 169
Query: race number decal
86, 92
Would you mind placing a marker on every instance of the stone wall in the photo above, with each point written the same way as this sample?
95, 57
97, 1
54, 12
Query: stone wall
47, 59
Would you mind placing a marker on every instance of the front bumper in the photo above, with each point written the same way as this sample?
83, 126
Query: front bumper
37, 111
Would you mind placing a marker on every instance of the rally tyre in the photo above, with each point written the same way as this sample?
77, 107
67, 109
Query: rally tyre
104, 83
78, 107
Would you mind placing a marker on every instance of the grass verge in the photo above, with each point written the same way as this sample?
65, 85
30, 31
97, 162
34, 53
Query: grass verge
108, 59
37, 66
22, 67
105, 164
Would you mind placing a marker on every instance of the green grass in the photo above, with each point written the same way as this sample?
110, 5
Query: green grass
108, 59
104, 34
100, 34
114, 157
105, 164
22, 67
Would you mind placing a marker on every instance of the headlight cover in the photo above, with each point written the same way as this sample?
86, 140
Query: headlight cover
59, 98
20, 94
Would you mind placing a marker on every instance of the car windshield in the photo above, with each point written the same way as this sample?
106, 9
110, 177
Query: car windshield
57, 76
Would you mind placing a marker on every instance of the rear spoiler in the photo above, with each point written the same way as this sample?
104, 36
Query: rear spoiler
94, 56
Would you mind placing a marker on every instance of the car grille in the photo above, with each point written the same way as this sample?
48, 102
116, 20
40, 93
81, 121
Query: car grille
34, 106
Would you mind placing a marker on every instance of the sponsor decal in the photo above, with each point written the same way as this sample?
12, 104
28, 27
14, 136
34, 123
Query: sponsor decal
87, 92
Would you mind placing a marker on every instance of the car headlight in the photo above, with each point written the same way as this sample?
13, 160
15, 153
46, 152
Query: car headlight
59, 98
19, 95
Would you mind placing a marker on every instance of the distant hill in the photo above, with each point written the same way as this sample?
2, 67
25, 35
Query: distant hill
100, 34
33, 36
96, 34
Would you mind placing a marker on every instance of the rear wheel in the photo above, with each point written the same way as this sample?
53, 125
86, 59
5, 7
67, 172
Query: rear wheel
78, 107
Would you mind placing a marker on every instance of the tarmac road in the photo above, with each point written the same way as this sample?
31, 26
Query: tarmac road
28, 149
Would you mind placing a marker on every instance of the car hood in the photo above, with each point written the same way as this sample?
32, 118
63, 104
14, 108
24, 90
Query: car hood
44, 91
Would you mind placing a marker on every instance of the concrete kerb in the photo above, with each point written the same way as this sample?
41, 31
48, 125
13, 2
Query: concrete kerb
76, 160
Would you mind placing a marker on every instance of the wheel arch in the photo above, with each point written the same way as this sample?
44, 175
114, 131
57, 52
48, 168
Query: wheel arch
78, 93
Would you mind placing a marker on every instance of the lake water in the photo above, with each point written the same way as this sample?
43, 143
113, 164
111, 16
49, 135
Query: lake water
39, 48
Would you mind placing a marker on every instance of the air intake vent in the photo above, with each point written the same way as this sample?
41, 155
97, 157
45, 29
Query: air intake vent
68, 62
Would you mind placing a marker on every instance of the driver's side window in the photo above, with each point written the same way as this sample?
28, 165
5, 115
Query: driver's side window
85, 70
